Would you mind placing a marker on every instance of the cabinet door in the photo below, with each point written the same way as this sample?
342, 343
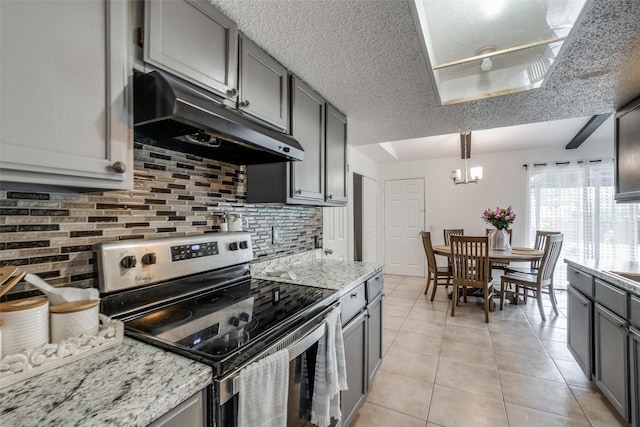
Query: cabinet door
195, 41
579, 329
307, 126
190, 413
634, 364
374, 338
611, 355
336, 155
65, 101
263, 86
354, 348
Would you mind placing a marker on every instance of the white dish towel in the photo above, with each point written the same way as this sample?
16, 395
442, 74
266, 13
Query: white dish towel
331, 373
263, 389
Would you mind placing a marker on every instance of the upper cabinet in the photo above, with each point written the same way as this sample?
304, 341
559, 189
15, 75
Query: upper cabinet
264, 92
307, 126
320, 179
193, 40
336, 155
65, 101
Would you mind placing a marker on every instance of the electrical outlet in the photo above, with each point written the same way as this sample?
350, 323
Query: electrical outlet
276, 236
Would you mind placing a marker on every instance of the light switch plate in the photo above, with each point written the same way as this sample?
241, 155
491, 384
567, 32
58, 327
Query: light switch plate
276, 237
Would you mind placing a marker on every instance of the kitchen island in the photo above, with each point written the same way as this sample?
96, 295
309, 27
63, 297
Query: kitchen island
131, 384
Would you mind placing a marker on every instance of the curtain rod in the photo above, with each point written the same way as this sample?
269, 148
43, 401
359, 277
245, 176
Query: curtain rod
526, 166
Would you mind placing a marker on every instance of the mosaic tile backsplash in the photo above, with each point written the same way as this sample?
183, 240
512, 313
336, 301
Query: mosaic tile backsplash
175, 194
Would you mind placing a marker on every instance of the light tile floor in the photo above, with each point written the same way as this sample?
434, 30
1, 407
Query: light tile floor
440, 370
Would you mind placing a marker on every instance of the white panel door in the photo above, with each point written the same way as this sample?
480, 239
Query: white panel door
369, 220
404, 219
334, 233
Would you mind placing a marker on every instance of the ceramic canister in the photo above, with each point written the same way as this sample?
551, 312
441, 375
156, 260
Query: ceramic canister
73, 319
26, 324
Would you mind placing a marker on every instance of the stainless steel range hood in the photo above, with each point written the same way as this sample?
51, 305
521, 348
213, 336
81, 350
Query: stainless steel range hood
172, 115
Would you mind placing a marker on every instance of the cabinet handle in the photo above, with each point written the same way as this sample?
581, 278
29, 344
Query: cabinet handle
232, 92
244, 103
354, 295
298, 191
119, 167
330, 196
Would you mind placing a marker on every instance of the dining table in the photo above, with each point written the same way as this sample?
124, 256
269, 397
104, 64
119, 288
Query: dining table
515, 254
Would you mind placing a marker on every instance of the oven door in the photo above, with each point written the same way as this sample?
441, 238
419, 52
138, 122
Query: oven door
302, 362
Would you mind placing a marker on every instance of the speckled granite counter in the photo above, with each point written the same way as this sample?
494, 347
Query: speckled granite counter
601, 271
328, 274
129, 385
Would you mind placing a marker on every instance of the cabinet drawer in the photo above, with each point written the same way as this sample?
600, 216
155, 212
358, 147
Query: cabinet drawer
611, 297
581, 281
634, 311
374, 287
352, 303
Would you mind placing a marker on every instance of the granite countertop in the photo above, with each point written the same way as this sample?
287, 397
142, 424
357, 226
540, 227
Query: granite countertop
131, 384
602, 271
322, 273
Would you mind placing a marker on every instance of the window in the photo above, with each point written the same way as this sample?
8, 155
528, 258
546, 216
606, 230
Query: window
577, 199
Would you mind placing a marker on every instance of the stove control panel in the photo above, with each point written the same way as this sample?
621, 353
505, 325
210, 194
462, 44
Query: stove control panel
195, 250
128, 264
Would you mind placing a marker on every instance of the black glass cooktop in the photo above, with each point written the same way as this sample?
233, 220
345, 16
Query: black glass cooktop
217, 324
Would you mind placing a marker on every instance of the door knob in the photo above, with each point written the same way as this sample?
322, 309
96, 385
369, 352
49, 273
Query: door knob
328, 251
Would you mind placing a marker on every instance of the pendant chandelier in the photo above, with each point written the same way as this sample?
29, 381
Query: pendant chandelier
472, 175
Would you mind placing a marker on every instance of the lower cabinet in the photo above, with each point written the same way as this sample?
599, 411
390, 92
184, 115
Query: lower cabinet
611, 354
374, 338
354, 335
634, 365
580, 329
191, 412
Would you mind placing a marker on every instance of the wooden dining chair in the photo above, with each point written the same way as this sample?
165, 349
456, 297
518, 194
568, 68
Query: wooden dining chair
434, 272
470, 268
527, 284
541, 239
448, 232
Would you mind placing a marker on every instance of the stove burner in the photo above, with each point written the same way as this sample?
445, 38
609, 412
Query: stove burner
251, 325
226, 343
166, 316
214, 299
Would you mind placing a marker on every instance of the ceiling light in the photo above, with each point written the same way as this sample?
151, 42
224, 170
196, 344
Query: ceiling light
470, 176
486, 65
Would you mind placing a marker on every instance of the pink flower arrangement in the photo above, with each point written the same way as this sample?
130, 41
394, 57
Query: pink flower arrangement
500, 218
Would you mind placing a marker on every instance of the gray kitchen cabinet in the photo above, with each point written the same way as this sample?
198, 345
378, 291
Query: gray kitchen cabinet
611, 356
65, 100
580, 329
374, 288
195, 41
335, 156
634, 365
262, 85
307, 126
324, 166
191, 412
354, 335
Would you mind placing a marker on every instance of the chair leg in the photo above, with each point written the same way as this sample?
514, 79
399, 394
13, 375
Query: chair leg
501, 293
487, 297
539, 298
435, 286
428, 281
454, 300
552, 297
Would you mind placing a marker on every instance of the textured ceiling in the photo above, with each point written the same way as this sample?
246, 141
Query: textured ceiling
364, 57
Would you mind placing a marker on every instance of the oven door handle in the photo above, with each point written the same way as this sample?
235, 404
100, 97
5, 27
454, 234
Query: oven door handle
295, 350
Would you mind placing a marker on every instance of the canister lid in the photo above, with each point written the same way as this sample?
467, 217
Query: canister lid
23, 304
73, 306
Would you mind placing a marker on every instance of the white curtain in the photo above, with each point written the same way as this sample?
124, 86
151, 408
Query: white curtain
577, 199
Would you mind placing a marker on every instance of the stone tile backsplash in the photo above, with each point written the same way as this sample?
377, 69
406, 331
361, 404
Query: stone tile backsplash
51, 234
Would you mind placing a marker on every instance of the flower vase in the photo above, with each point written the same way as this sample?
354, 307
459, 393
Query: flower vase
499, 240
